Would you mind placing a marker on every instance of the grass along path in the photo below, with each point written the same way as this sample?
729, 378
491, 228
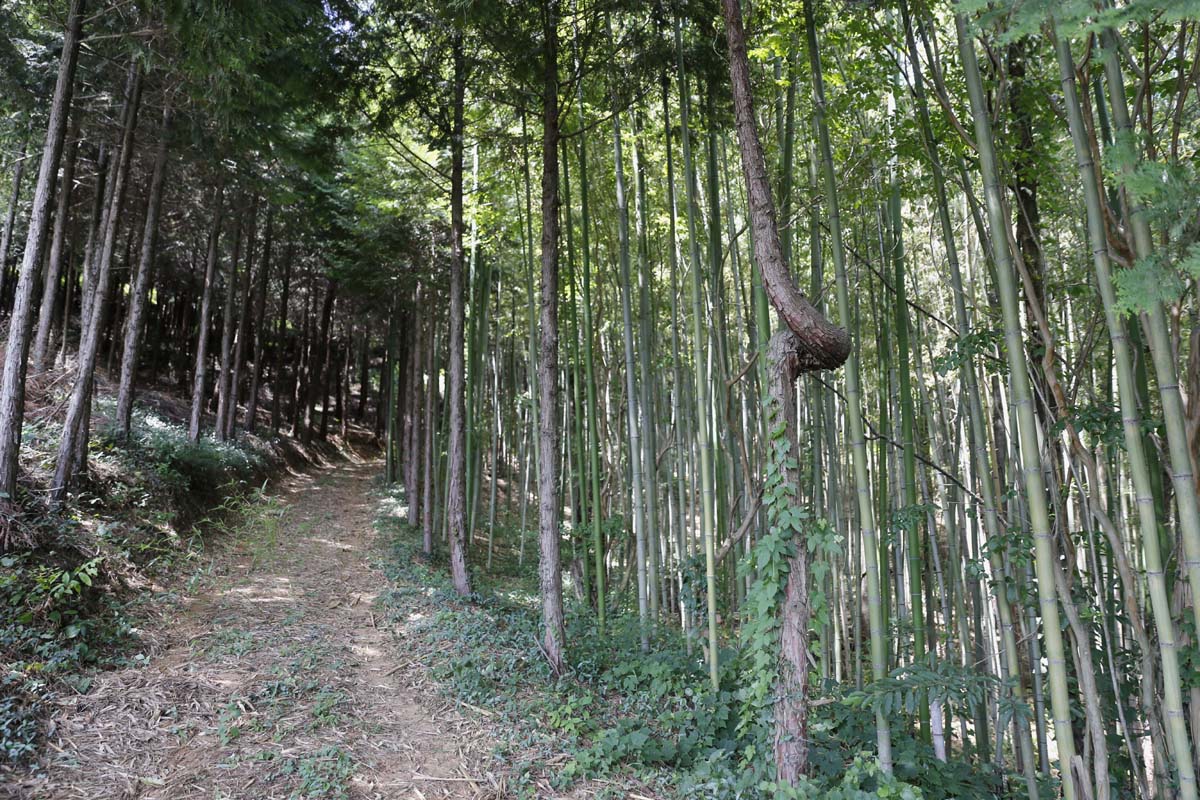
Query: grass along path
269, 675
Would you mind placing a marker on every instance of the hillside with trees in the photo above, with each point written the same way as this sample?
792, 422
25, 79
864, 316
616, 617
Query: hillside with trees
593, 398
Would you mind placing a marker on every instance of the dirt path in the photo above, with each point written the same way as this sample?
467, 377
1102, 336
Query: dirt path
270, 679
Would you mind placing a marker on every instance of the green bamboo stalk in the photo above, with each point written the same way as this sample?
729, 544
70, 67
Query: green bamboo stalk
703, 403
1035, 488
1131, 419
637, 511
854, 400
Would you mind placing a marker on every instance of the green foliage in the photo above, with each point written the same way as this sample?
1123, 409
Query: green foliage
64, 600
620, 710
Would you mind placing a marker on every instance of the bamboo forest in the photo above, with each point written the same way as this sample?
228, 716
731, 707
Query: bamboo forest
600, 399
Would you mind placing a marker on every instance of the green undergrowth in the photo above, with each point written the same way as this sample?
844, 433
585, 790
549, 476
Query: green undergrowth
70, 579
621, 714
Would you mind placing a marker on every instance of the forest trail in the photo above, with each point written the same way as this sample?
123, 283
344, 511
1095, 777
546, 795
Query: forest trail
270, 676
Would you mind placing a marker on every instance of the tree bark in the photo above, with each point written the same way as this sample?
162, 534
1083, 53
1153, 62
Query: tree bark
72, 449
243, 327
364, 373
210, 272
549, 565
413, 418
10, 218
280, 345
137, 295
326, 375
225, 378
12, 380
54, 266
810, 343
260, 301
456, 468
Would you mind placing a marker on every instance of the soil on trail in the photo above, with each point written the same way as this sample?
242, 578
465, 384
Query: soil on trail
270, 675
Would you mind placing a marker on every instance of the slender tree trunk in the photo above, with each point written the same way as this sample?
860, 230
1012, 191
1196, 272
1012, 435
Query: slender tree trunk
227, 321
54, 266
977, 434
316, 380
72, 447
280, 345
210, 272
429, 465
707, 489
243, 326
10, 218
260, 322
456, 469
633, 424
134, 321
413, 417
549, 565
12, 379
364, 373
1126, 387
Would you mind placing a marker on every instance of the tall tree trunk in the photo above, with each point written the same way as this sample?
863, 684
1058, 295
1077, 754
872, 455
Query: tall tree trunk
210, 273
811, 343
633, 424
243, 325
260, 322
54, 266
137, 296
703, 389
316, 380
10, 217
12, 380
280, 344
413, 417
456, 468
549, 565
428, 467
977, 436
72, 448
225, 377
364, 373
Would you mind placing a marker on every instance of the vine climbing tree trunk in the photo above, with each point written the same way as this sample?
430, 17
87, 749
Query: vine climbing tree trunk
809, 343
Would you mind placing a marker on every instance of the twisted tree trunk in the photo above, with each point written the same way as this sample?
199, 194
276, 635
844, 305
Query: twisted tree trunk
809, 343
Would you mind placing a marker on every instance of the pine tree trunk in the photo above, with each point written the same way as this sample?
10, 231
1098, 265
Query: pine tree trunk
280, 344
260, 323
54, 265
72, 449
243, 326
12, 379
210, 272
134, 320
225, 377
